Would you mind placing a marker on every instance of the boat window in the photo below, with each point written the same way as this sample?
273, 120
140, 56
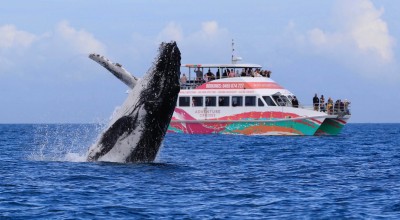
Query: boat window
269, 101
279, 100
211, 101
285, 99
237, 101
250, 101
223, 101
197, 101
184, 101
260, 102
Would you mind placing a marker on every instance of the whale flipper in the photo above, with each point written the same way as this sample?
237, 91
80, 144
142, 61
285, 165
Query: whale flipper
136, 132
116, 69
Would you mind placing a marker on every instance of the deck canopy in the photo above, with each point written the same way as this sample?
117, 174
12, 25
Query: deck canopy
229, 65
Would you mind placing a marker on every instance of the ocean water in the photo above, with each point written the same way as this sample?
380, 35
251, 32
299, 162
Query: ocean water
350, 176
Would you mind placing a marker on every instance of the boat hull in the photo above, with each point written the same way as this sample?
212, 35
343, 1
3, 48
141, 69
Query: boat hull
332, 126
249, 127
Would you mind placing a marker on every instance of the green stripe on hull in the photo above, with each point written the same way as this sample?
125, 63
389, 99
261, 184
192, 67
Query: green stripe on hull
331, 126
302, 127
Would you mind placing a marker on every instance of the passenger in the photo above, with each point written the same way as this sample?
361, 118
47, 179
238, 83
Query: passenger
237, 73
221, 101
231, 73
243, 73
336, 107
218, 74
257, 73
199, 74
316, 102
346, 107
224, 75
183, 80
295, 102
208, 101
249, 72
330, 106
322, 103
341, 105
209, 76
268, 73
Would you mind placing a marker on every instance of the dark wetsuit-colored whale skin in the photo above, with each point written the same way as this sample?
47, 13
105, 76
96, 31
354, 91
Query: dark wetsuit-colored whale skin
138, 128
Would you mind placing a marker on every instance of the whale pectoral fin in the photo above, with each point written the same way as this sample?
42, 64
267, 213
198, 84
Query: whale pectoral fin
116, 69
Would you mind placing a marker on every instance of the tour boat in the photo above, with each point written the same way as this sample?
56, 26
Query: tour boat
248, 103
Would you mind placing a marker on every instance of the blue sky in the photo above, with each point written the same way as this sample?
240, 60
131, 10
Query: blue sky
338, 48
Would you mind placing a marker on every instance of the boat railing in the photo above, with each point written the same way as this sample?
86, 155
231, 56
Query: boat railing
341, 109
192, 84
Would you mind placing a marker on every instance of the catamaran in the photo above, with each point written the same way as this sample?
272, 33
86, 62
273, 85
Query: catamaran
237, 99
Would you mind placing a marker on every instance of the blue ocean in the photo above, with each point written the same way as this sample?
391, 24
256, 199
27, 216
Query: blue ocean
350, 176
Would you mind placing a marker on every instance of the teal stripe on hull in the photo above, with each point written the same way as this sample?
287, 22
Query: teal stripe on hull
331, 126
298, 127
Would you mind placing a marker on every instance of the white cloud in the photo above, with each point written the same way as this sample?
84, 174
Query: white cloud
360, 25
359, 40
10, 36
171, 32
369, 31
80, 40
210, 28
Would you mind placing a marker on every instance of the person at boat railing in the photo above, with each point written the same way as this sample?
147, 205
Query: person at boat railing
231, 73
243, 73
183, 80
225, 74
209, 76
199, 74
322, 104
267, 73
257, 73
295, 102
316, 102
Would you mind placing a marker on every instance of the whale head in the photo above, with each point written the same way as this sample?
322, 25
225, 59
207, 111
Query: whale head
137, 130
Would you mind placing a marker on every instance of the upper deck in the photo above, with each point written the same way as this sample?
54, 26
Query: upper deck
226, 76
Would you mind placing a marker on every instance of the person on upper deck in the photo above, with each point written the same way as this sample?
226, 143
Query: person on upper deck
224, 74
257, 73
199, 74
243, 73
231, 73
209, 76
183, 80
268, 73
218, 74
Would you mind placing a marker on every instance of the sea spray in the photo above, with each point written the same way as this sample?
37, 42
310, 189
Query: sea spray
55, 142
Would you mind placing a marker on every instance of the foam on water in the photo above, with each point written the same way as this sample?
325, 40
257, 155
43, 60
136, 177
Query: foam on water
63, 143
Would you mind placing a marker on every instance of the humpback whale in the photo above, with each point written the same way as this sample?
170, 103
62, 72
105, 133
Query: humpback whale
137, 130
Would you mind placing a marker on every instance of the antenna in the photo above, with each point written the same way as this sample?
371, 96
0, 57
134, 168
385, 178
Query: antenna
234, 58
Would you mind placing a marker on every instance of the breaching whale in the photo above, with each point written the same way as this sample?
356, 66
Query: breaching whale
137, 129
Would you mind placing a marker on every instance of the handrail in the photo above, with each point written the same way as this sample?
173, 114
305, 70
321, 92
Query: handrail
340, 109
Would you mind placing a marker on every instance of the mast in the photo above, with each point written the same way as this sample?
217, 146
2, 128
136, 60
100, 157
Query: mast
234, 58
